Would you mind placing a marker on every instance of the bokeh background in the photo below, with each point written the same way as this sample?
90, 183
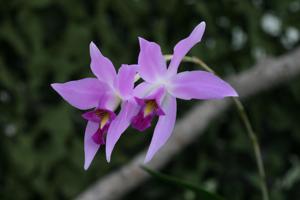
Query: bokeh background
41, 138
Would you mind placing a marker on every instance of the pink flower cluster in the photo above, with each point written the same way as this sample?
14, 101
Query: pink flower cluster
139, 104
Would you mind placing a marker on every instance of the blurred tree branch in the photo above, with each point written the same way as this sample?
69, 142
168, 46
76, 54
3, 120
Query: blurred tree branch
245, 119
262, 76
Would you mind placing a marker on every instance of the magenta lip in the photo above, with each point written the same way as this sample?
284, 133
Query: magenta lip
96, 116
99, 136
142, 122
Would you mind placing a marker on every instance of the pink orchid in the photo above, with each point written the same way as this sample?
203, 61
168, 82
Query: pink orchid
102, 94
154, 97
157, 95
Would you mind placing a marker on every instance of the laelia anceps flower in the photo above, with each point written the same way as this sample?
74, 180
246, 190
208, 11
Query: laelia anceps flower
103, 95
157, 95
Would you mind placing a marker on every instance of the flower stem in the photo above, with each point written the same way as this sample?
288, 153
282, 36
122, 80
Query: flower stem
256, 147
246, 121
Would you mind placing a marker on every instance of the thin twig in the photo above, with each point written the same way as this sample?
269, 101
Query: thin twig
194, 60
256, 147
249, 128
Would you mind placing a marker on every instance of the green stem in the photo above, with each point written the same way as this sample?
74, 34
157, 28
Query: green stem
256, 147
246, 121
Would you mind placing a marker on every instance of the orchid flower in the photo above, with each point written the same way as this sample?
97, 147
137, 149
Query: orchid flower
102, 94
157, 95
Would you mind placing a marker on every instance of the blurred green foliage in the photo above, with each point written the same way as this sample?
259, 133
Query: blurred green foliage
41, 138
198, 190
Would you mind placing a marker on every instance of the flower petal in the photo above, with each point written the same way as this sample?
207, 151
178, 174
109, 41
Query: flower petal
82, 94
183, 47
109, 101
90, 147
200, 85
158, 94
124, 81
101, 66
119, 125
143, 89
164, 127
152, 65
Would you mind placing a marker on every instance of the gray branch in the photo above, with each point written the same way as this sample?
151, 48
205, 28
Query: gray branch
264, 75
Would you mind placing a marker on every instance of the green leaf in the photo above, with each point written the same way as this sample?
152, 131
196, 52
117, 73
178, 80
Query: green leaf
201, 193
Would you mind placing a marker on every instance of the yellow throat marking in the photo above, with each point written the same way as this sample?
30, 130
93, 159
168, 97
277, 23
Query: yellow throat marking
150, 105
104, 120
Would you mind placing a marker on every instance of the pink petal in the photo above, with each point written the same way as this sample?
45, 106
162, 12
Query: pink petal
152, 65
158, 94
90, 147
109, 101
101, 66
200, 85
124, 81
82, 94
119, 125
184, 46
164, 127
143, 89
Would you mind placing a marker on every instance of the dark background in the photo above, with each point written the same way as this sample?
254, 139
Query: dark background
41, 138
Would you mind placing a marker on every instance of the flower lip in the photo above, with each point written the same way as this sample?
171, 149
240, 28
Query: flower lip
149, 109
152, 106
99, 136
97, 115
103, 117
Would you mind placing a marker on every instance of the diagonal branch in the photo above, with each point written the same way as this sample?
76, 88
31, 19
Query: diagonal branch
264, 75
